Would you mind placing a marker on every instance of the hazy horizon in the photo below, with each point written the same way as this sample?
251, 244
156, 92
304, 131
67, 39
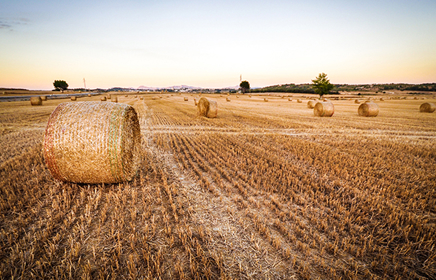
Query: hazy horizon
210, 44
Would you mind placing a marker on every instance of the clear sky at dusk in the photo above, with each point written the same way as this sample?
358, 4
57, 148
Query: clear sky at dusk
210, 43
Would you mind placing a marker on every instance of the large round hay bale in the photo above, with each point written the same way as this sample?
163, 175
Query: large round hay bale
186, 98
207, 108
92, 142
323, 109
103, 98
311, 104
368, 109
35, 100
44, 98
73, 98
427, 107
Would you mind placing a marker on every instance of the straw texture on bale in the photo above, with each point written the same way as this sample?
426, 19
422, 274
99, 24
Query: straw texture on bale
311, 104
368, 109
324, 109
73, 98
35, 100
103, 98
92, 142
427, 107
207, 108
186, 99
44, 98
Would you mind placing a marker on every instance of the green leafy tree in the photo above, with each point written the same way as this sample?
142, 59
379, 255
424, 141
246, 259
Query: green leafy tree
60, 85
321, 85
245, 86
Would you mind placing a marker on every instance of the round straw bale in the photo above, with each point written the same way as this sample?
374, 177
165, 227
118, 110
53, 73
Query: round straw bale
141, 98
125, 95
108, 96
114, 99
324, 99
289, 99
324, 109
103, 98
357, 101
265, 99
249, 95
311, 104
382, 99
227, 99
299, 101
92, 142
89, 95
73, 98
416, 98
35, 100
44, 98
427, 107
237, 96
195, 102
186, 99
368, 109
207, 107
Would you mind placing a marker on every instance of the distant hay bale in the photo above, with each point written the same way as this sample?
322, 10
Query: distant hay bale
357, 101
289, 99
427, 107
141, 98
227, 99
249, 95
136, 96
186, 98
282, 96
125, 95
265, 99
195, 102
44, 98
89, 95
73, 98
299, 101
324, 109
103, 98
207, 108
237, 96
382, 99
35, 101
114, 99
92, 142
311, 104
416, 98
368, 109
108, 96
324, 99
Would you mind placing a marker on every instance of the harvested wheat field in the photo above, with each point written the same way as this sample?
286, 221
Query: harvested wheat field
266, 190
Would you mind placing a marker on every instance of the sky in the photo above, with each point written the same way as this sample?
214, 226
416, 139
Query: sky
161, 43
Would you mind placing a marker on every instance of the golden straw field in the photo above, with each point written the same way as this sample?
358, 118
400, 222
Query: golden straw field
264, 191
